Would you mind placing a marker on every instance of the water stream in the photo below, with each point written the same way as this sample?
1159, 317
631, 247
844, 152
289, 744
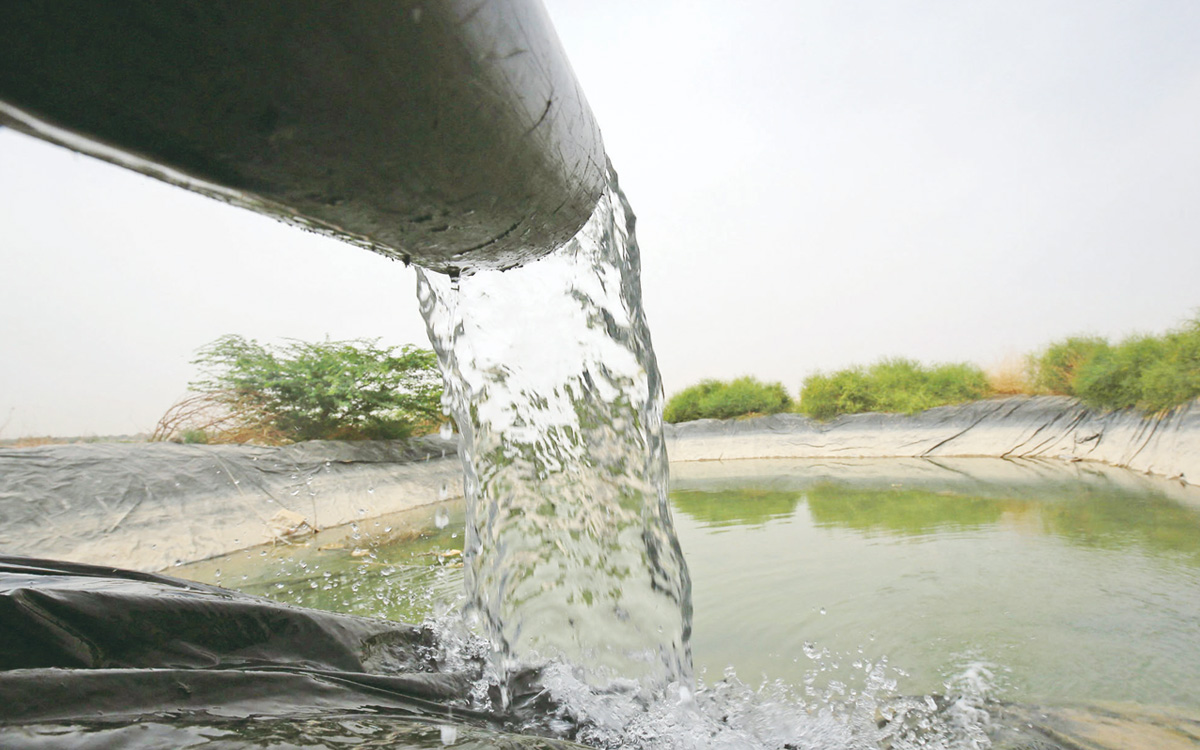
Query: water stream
570, 553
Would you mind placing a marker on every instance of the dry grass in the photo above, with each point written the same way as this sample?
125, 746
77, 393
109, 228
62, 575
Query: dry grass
33, 442
1009, 376
203, 417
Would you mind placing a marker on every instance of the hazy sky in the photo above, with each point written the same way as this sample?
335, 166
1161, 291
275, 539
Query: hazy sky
817, 184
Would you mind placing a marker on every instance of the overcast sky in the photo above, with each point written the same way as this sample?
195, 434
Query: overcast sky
817, 184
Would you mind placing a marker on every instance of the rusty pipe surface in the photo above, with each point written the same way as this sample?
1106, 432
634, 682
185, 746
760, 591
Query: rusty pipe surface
448, 133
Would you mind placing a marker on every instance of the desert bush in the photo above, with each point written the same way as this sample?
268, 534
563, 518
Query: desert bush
1174, 378
332, 390
714, 399
891, 385
957, 382
1112, 377
1151, 373
1009, 377
194, 437
1054, 369
685, 405
843, 392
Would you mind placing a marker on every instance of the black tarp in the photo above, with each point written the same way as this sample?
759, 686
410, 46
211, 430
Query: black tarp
100, 657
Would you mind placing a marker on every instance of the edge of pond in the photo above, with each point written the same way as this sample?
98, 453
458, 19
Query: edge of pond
152, 506
1046, 427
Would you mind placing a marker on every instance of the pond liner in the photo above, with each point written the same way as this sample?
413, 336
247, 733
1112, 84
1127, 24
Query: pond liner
86, 649
149, 506
1058, 427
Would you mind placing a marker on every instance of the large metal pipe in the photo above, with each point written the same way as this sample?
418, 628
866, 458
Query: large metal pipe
448, 133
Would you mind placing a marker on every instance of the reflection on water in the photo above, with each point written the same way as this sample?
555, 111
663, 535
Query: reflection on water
1074, 583
1086, 510
1077, 583
899, 511
746, 507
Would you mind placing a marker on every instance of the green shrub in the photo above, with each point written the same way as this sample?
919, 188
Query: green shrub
685, 405
956, 383
891, 385
1112, 378
1055, 369
1174, 378
843, 392
1151, 373
330, 390
714, 399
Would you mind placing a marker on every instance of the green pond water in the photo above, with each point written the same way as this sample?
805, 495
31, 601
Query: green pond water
1070, 582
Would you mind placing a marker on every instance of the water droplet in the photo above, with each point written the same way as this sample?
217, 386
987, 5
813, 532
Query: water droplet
447, 431
441, 519
822, 610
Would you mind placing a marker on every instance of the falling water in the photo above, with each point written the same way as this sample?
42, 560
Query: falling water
570, 552
573, 568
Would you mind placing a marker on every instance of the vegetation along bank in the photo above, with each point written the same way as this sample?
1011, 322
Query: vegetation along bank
1150, 374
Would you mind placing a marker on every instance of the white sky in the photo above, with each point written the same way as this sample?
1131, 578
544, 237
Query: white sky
817, 184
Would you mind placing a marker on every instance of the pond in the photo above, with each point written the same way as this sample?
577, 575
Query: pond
1060, 582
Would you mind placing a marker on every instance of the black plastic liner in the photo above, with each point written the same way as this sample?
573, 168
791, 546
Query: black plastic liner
101, 657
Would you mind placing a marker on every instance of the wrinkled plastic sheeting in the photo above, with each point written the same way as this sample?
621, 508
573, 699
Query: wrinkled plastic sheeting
153, 505
100, 657
974, 476
1056, 427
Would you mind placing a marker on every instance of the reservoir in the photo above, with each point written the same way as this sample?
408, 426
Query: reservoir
1040, 581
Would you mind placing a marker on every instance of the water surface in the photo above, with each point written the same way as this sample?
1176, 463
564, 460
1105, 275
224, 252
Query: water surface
1065, 582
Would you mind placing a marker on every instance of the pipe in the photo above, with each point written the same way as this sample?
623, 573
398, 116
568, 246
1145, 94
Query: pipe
448, 133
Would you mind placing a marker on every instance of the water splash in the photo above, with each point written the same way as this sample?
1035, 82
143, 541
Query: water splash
862, 711
551, 379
